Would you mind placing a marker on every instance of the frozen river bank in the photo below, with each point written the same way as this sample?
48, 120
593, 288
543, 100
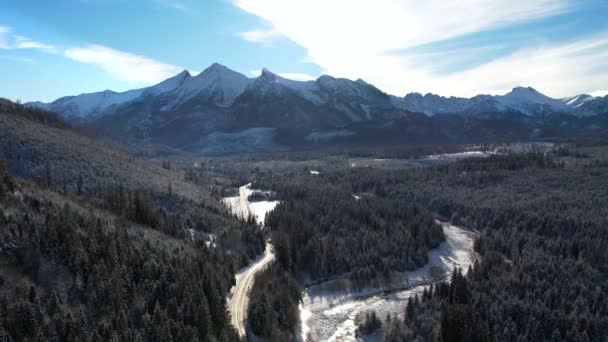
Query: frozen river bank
330, 315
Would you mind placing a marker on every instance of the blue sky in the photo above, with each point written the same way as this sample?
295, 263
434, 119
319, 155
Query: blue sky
54, 48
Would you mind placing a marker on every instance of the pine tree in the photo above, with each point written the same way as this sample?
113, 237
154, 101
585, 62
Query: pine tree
48, 176
79, 185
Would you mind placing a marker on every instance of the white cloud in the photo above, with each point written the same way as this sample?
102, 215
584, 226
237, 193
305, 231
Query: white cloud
26, 43
296, 76
259, 36
11, 41
4, 37
558, 70
357, 38
124, 65
599, 93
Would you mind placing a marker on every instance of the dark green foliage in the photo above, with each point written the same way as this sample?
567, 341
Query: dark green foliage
74, 272
273, 307
89, 275
324, 231
542, 274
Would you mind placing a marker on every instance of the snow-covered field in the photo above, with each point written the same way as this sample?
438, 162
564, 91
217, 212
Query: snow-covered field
242, 207
449, 157
330, 316
261, 208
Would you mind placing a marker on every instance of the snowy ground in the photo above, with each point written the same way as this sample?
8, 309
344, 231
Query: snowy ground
261, 208
330, 316
449, 157
242, 207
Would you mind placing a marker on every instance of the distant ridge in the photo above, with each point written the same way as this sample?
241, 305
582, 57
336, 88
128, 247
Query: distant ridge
222, 110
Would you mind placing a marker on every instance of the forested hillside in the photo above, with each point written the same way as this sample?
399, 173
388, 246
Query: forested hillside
99, 245
320, 231
543, 268
72, 273
38, 144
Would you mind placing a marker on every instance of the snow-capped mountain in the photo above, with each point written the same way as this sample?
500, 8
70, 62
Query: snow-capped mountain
216, 84
85, 105
529, 101
221, 106
525, 100
587, 105
271, 100
576, 101
356, 100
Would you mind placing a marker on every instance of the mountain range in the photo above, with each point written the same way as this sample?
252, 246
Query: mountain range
221, 110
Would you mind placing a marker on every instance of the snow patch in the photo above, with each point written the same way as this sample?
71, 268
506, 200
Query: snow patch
319, 136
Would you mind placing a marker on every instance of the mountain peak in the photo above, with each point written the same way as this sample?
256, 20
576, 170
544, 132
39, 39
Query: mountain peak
216, 69
361, 81
183, 74
267, 73
524, 90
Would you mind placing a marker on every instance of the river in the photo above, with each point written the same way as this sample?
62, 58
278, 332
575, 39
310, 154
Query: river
329, 315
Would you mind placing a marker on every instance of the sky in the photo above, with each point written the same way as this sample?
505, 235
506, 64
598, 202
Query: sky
50, 49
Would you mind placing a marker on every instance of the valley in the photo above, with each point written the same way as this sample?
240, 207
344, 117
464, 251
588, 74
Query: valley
303, 171
299, 245
331, 315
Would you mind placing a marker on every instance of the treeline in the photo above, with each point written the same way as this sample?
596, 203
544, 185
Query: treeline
543, 269
324, 231
34, 114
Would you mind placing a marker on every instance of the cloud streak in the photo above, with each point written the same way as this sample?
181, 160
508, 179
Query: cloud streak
356, 39
11, 41
263, 36
123, 65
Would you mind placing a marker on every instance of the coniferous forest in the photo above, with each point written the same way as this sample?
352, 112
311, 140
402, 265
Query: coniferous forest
100, 245
542, 274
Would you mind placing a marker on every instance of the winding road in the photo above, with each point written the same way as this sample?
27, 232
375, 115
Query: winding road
244, 280
244, 283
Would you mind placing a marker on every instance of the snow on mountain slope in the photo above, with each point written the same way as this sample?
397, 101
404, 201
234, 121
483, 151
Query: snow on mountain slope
529, 101
219, 87
593, 106
431, 104
269, 82
169, 84
216, 82
576, 101
526, 100
91, 104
